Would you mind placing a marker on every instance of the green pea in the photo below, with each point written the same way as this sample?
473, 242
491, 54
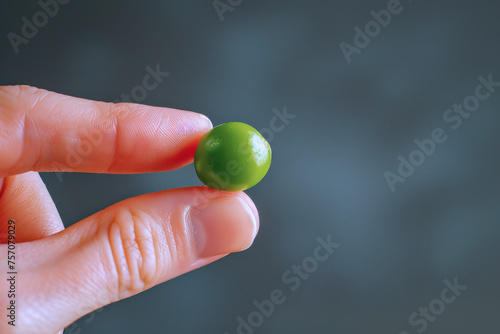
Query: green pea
232, 156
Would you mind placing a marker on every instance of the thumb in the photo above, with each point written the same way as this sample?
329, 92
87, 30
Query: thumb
128, 248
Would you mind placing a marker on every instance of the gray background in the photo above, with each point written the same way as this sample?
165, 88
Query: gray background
352, 122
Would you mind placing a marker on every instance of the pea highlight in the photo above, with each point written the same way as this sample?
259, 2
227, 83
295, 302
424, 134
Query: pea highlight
232, 156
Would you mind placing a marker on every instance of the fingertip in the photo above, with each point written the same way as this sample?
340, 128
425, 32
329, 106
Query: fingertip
205, 121
254, 210
223, 225
189, 123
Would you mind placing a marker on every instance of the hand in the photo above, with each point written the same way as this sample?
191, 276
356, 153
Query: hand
131, 246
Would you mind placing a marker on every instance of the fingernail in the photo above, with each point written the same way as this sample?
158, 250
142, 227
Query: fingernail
223, 225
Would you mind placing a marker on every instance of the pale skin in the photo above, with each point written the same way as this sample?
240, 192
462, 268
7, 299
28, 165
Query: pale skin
64, 274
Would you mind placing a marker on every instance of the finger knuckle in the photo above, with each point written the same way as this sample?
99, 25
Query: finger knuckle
15, 97
135, 242
13, 123
16, 90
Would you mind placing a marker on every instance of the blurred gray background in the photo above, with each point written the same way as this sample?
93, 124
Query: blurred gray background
353, 120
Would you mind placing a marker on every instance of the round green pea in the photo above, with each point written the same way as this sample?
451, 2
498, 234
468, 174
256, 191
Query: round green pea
232, 156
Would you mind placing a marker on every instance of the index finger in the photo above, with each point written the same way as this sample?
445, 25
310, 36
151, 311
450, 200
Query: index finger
45, 131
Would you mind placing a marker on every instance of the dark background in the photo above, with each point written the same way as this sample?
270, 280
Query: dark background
327, 177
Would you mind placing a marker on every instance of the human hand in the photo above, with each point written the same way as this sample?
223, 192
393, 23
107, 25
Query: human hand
131, 246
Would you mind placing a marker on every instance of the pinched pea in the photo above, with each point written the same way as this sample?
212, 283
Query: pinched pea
232, 156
